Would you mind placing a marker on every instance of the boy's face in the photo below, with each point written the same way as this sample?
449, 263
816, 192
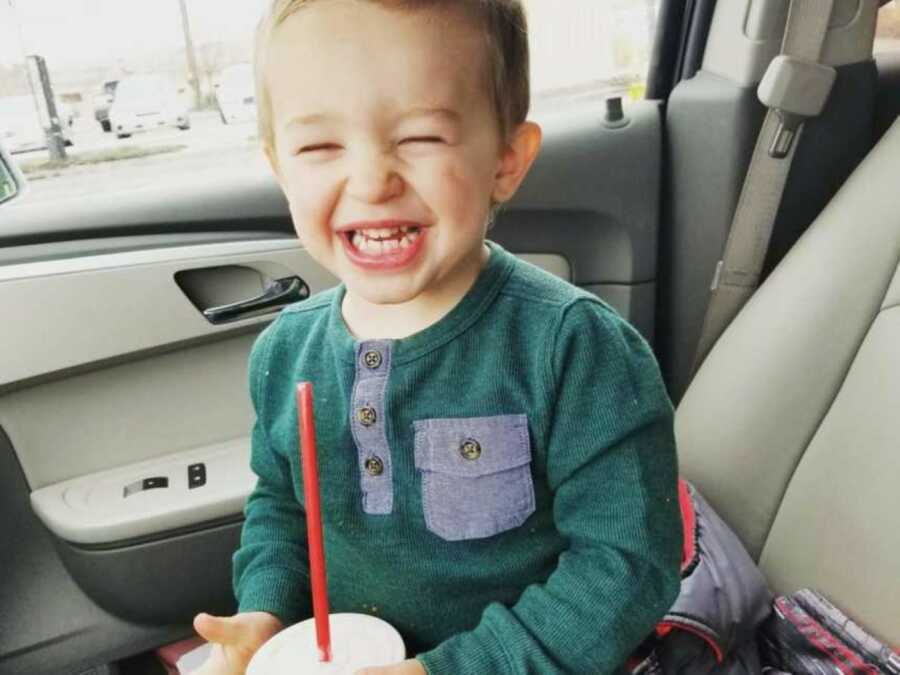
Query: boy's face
387, 144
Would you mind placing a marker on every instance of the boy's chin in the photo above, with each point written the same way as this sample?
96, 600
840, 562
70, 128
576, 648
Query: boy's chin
380, 293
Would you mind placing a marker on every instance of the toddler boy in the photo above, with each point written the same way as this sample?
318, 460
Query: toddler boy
496, 450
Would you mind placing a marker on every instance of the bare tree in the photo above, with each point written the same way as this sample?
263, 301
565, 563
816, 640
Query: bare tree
193, 75
210, 60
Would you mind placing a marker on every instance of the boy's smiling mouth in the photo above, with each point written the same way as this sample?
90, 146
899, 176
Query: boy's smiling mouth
382, 245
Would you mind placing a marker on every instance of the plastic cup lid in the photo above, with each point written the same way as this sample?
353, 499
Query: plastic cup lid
357, 641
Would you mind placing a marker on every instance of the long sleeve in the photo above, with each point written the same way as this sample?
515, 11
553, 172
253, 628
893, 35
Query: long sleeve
271, 568
611, 466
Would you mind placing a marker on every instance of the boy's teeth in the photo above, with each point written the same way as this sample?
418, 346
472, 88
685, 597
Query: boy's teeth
382, 240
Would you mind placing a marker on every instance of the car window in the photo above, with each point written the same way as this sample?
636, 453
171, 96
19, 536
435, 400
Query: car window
155, 93
617, 33
887, 30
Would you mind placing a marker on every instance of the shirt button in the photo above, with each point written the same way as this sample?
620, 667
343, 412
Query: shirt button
372, 359
374, 466
366, 416
470, 449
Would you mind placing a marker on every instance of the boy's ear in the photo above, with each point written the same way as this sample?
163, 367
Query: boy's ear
517, 158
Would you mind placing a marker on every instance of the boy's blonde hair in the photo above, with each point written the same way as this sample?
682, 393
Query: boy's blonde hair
505, 29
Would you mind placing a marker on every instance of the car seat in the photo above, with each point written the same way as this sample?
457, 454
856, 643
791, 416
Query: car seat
791, 428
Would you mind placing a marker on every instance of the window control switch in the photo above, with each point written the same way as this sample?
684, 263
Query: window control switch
196, 475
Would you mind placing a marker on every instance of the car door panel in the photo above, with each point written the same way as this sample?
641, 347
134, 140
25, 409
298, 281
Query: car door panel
48, 624
118, 368
89, 310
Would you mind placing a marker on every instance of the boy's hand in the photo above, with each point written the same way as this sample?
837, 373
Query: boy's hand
236, 640
410, 667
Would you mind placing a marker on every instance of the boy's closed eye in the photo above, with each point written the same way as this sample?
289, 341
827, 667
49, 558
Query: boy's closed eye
422, 139
425, 144
317, 148
320, 148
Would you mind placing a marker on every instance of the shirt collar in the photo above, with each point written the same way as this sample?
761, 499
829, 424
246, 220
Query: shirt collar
466, 312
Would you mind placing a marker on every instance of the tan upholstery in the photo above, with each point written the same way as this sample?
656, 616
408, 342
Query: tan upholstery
792, 426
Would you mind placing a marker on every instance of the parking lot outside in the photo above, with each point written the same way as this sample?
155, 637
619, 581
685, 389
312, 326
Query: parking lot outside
208, 146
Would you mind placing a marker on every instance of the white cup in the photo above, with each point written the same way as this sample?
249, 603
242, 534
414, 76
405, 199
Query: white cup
357, 641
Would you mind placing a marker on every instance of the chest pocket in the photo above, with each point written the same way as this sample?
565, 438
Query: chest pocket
476, 475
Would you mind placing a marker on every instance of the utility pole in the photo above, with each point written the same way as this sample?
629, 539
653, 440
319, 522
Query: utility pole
49, 115
191, 57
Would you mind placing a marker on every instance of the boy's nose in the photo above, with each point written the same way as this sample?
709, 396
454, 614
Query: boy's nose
374, 180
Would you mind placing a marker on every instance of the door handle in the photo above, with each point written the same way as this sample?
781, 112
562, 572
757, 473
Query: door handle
278, 293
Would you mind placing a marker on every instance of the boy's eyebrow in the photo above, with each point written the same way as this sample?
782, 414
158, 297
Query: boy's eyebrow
422, 111
314, 118
432, 112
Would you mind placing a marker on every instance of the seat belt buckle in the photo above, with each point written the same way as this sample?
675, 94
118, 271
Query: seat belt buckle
797, 90
783, 139
733, 277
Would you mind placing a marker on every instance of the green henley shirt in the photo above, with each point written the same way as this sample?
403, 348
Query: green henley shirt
500, 487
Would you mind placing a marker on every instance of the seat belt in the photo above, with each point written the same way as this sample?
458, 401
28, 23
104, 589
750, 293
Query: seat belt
795, 88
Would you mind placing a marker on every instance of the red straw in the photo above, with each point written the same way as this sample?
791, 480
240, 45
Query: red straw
313, 518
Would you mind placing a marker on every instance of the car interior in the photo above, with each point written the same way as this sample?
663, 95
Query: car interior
124, 412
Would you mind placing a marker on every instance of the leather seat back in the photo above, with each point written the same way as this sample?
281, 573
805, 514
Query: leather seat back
791, 429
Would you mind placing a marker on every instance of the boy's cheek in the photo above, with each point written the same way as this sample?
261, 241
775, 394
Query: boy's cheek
311, 212
309, 191
462, 190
